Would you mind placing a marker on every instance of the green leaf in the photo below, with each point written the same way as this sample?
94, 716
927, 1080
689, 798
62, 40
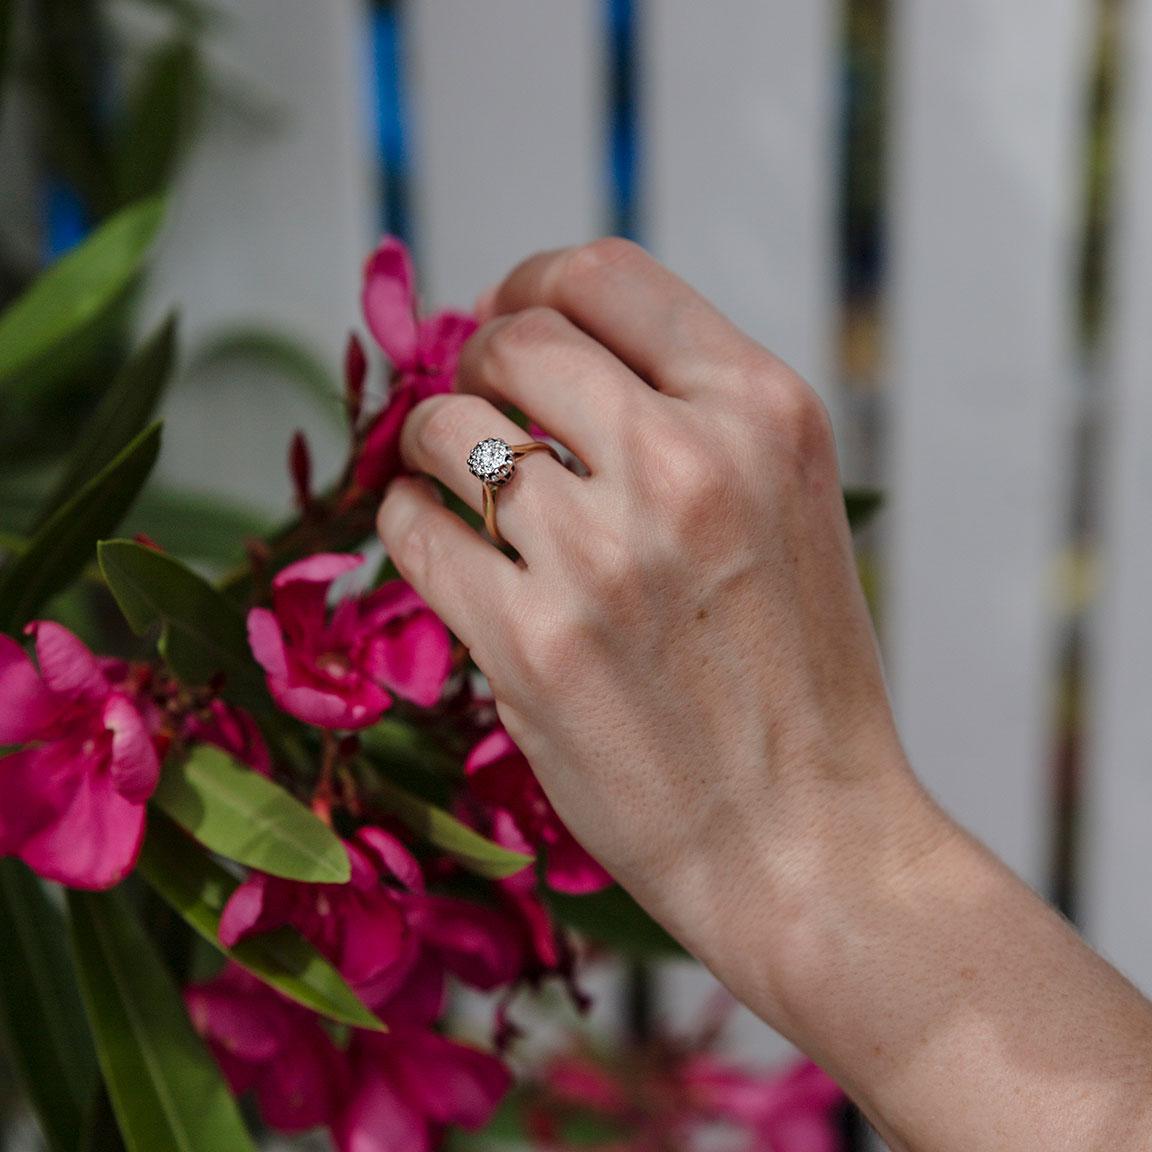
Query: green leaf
165, 1087
77, 288
614, 919
444, 831
160, 119
123, 413
245, 817
64, 545
203, 633
283, 355
195, 526
862, 504
189, 880
40, 1008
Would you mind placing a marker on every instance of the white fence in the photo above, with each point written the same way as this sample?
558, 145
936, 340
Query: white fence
738, 121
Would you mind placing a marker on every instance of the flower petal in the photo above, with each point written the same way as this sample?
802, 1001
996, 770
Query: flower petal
27, 707
393, 857
66, 664
267, 642
95, 841
448, 1082
379, 459
260, 904
414, 658
135, 767
35, 787
388, 299
570, 869
327, 710
378, 1118
481, 946
441, 337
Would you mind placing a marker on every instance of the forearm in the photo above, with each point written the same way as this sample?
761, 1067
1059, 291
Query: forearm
955, 1007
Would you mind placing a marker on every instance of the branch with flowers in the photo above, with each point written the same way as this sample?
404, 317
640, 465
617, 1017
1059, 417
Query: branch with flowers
283, 812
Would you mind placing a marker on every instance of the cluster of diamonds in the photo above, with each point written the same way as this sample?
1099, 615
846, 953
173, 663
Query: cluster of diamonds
491, 461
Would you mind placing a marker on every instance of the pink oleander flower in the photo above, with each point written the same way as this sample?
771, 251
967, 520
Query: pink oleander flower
424, 353
686, 1099
793, 1110
408, 1085
392, 940
267, 1045
338, 669
232, 730
72, 800
501, 779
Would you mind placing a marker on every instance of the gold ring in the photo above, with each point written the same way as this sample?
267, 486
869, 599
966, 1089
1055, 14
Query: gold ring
493, 463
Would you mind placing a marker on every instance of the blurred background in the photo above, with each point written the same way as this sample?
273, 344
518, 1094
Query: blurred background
939, 211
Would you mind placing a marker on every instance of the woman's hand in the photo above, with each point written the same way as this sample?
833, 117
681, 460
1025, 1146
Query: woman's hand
683, 651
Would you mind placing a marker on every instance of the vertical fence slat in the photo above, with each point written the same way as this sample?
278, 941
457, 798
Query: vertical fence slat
737, 164
269, 224
1118, 848
507, 100
988, 171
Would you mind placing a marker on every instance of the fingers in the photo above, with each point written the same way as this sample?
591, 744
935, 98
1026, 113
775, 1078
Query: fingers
436, 439
666, 332
466, 582
559, 376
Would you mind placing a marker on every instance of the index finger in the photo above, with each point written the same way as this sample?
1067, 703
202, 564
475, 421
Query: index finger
663, 329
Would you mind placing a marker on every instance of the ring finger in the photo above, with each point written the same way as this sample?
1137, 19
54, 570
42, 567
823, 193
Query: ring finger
437, 438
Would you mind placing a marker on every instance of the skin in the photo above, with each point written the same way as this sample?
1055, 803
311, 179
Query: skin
683, 652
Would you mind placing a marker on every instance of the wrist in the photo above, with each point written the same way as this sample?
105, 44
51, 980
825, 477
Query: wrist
773, 910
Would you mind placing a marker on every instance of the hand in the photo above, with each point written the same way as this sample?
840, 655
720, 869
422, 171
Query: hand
682, 651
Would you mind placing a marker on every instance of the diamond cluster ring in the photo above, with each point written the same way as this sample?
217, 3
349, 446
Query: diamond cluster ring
493, 463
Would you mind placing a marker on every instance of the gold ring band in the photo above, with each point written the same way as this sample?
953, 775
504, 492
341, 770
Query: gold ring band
493, 463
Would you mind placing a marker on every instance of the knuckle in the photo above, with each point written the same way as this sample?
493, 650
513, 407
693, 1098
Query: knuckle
801, 421
522, 333
444, 419
585, 264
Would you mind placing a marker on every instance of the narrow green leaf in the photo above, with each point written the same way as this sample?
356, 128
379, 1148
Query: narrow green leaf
245, 817
40, 1008
284, 356
445, 832
195, 526
203, 635
64, 545
189, 880
165, 1087
862, 504
614, 919
77, 288
123, 413
162, 112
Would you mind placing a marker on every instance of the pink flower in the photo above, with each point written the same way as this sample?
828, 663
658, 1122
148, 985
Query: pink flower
424, 354
336, 672
407, 1085
790, 1111
267, 1045
232, 730
72, 803
390, 938
522, 818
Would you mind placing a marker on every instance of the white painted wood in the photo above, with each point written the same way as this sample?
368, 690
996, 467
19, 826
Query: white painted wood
1118, 847
509, 153
270, 224
738, 164
986, 191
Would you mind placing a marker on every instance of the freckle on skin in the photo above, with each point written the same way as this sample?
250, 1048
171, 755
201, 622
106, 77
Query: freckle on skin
967, 973
701, 613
